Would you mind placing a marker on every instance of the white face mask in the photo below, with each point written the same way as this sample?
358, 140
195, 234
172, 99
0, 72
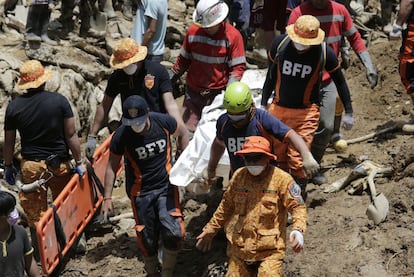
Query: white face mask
255, 169
130, 69
238, 117
301, 47
13, 217
138, 128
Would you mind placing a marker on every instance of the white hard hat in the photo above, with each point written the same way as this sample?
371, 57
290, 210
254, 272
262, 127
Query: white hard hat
210, 12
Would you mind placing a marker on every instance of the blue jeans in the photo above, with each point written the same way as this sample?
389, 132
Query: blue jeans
326, 121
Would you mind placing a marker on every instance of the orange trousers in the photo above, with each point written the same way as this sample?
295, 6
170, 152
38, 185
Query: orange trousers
304, 122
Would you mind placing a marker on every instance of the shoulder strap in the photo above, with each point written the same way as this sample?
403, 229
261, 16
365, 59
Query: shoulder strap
281, 47
322, 62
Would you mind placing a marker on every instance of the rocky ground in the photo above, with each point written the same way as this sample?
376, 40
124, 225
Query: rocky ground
341, 240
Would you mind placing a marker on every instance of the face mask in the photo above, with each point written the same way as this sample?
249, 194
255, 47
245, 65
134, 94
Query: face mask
13, 217
301, 47
138, 128
236, 118
130, 69
255, 169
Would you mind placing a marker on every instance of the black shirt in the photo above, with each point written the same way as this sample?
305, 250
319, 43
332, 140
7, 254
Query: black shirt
150, 82
39, 117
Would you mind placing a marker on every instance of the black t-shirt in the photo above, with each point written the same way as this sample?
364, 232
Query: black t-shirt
39, 118
147, 156
13, 252
150, 82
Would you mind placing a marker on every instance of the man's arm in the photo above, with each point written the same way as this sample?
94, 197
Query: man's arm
172, 109
406, 7
31, 266
216, 152
101, 115
8, 149
72, 138
110, 175
310, 165
150, 32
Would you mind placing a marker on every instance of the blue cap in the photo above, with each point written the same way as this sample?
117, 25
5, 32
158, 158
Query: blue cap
134, 110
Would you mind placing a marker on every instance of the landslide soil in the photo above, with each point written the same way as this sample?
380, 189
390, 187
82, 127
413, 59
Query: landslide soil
341, 240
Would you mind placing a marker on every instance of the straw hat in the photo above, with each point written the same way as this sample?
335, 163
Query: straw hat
33, 75
127, 51
256, 145
306, 31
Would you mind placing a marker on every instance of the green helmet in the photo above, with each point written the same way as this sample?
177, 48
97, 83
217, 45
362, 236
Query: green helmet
237, 98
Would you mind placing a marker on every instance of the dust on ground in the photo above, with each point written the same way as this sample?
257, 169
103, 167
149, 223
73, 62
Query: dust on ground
340, 240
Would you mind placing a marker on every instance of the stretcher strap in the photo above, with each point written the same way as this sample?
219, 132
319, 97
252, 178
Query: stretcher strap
96, 182
60, 234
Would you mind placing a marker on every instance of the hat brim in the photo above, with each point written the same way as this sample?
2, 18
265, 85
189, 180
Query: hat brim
134, 121
304, 41
142, 53
215, 22
255, 151
23, 85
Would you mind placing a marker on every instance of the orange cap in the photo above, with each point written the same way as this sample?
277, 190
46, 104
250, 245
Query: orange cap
256, 145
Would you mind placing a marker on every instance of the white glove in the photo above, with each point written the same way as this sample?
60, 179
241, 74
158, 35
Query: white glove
396, 32
347, 121
310, 165
296, 238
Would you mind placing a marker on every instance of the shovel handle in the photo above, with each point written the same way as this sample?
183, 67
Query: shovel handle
371, 184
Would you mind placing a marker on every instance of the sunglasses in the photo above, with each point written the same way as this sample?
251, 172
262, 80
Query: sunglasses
253, 158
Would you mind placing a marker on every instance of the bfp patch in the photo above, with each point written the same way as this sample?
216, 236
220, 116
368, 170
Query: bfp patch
149, 81
295, 192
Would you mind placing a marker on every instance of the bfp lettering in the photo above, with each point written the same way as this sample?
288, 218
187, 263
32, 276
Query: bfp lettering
151, 149
294, 69
235, 144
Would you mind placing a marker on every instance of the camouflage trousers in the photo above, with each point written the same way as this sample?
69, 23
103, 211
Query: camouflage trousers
35, 203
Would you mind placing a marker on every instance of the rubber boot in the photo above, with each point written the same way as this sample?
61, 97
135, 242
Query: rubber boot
35, 245
151, 265
169, 258
302, 184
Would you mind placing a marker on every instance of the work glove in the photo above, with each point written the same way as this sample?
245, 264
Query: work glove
296, 238
90, 147
173, 76
310, 165
347, 121
231, 80
345, 58
372, 75
10, 174
396, 32
80, 169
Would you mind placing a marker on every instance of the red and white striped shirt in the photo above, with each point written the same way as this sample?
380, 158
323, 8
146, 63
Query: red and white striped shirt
211, 61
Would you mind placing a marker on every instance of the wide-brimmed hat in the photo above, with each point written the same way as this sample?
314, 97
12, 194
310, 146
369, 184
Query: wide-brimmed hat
134, 110
127, 51
210, 12
33, 75
256, 145
306, 31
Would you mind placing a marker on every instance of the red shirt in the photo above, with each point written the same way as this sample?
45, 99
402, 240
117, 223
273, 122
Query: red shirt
210, 61
336, 22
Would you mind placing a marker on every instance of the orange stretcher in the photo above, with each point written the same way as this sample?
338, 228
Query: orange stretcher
72, 210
